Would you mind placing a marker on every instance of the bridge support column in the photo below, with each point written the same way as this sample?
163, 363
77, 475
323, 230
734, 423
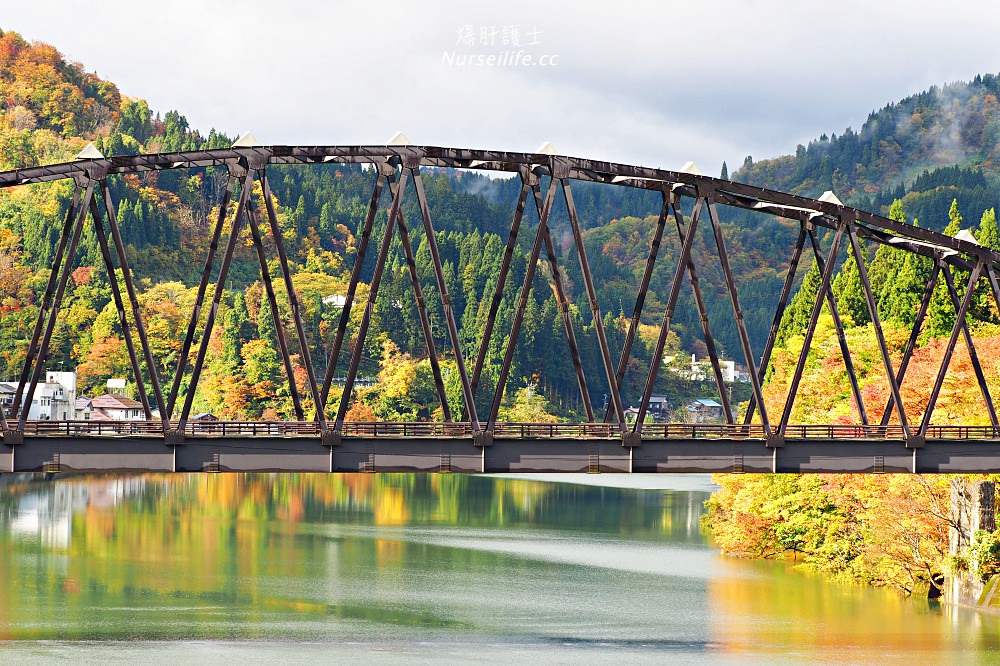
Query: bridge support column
973, 505
631, 439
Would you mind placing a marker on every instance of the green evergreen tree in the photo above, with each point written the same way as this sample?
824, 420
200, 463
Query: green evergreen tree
850, 294
941, 310
954, 219
989, 235
796, 317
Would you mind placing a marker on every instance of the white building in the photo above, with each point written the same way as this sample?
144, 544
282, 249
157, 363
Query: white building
53, 400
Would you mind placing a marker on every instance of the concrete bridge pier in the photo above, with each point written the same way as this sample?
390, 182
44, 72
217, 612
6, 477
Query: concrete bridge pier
973, 508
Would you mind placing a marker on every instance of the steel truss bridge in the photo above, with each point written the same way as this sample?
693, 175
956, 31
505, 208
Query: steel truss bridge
168, 440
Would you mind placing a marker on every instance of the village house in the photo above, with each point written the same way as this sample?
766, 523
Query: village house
115, 407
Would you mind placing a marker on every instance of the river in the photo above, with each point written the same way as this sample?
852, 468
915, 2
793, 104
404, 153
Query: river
391, 568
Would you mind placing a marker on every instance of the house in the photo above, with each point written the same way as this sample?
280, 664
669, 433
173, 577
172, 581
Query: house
204, 416
658, 410
84, 407
704, 409
115, 407
53, 399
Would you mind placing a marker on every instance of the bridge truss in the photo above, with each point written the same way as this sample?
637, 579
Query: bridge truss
543, 178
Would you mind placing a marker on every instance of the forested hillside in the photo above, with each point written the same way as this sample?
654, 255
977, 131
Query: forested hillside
928, 149
50, 109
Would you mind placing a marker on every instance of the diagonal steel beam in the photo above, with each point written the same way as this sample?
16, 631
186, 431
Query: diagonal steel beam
140, 326
272, 301
563, 304
116, 295
741, 329
43, 310
293, 300
876, 322
973, 356
779, 313
706, 327
199, 362
911, 344
661, 340
50, 324
352, 370
449, 315
206, 275
418, 294
827, 272
529, 277
359, 260
950, 349
838, 325
527, 178
640, 299
595, 308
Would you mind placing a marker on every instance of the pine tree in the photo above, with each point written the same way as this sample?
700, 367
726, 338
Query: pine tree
725, 172
989, 235
954, 219
796, 317
941, 311
850, 294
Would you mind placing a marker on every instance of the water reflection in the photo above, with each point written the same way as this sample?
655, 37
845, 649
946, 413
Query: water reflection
434, 565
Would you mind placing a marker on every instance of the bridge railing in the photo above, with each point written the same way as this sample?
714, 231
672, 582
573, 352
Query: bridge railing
503, 430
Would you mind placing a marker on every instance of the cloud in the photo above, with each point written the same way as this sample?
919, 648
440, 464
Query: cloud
657, 83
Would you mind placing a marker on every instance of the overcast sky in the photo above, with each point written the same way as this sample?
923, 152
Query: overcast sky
651, 83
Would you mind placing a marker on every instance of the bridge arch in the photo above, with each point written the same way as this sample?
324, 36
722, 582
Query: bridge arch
543, 177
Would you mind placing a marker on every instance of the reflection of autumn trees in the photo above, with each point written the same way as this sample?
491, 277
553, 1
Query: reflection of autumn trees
189, 539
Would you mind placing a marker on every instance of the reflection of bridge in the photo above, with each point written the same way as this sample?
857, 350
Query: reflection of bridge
485, 444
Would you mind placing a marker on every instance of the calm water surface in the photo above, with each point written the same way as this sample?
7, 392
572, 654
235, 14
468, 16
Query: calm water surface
300, 569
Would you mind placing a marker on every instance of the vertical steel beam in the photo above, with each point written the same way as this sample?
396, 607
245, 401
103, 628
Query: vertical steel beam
529, 277
973, 356
279, 327
220, 283
911, 344
449, 316
727, 271
675, 290
779, 313
526, 179
876, 322
595, 308
293, 300
810, 331
994, 284
841, 336
950, 349
352, 370
140, 326
418, 295
50, 325
359, 260
116, 295
640, 299
206, 275
563, 304
43, 309
706, 327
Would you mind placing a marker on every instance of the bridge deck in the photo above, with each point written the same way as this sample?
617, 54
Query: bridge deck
278, 446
